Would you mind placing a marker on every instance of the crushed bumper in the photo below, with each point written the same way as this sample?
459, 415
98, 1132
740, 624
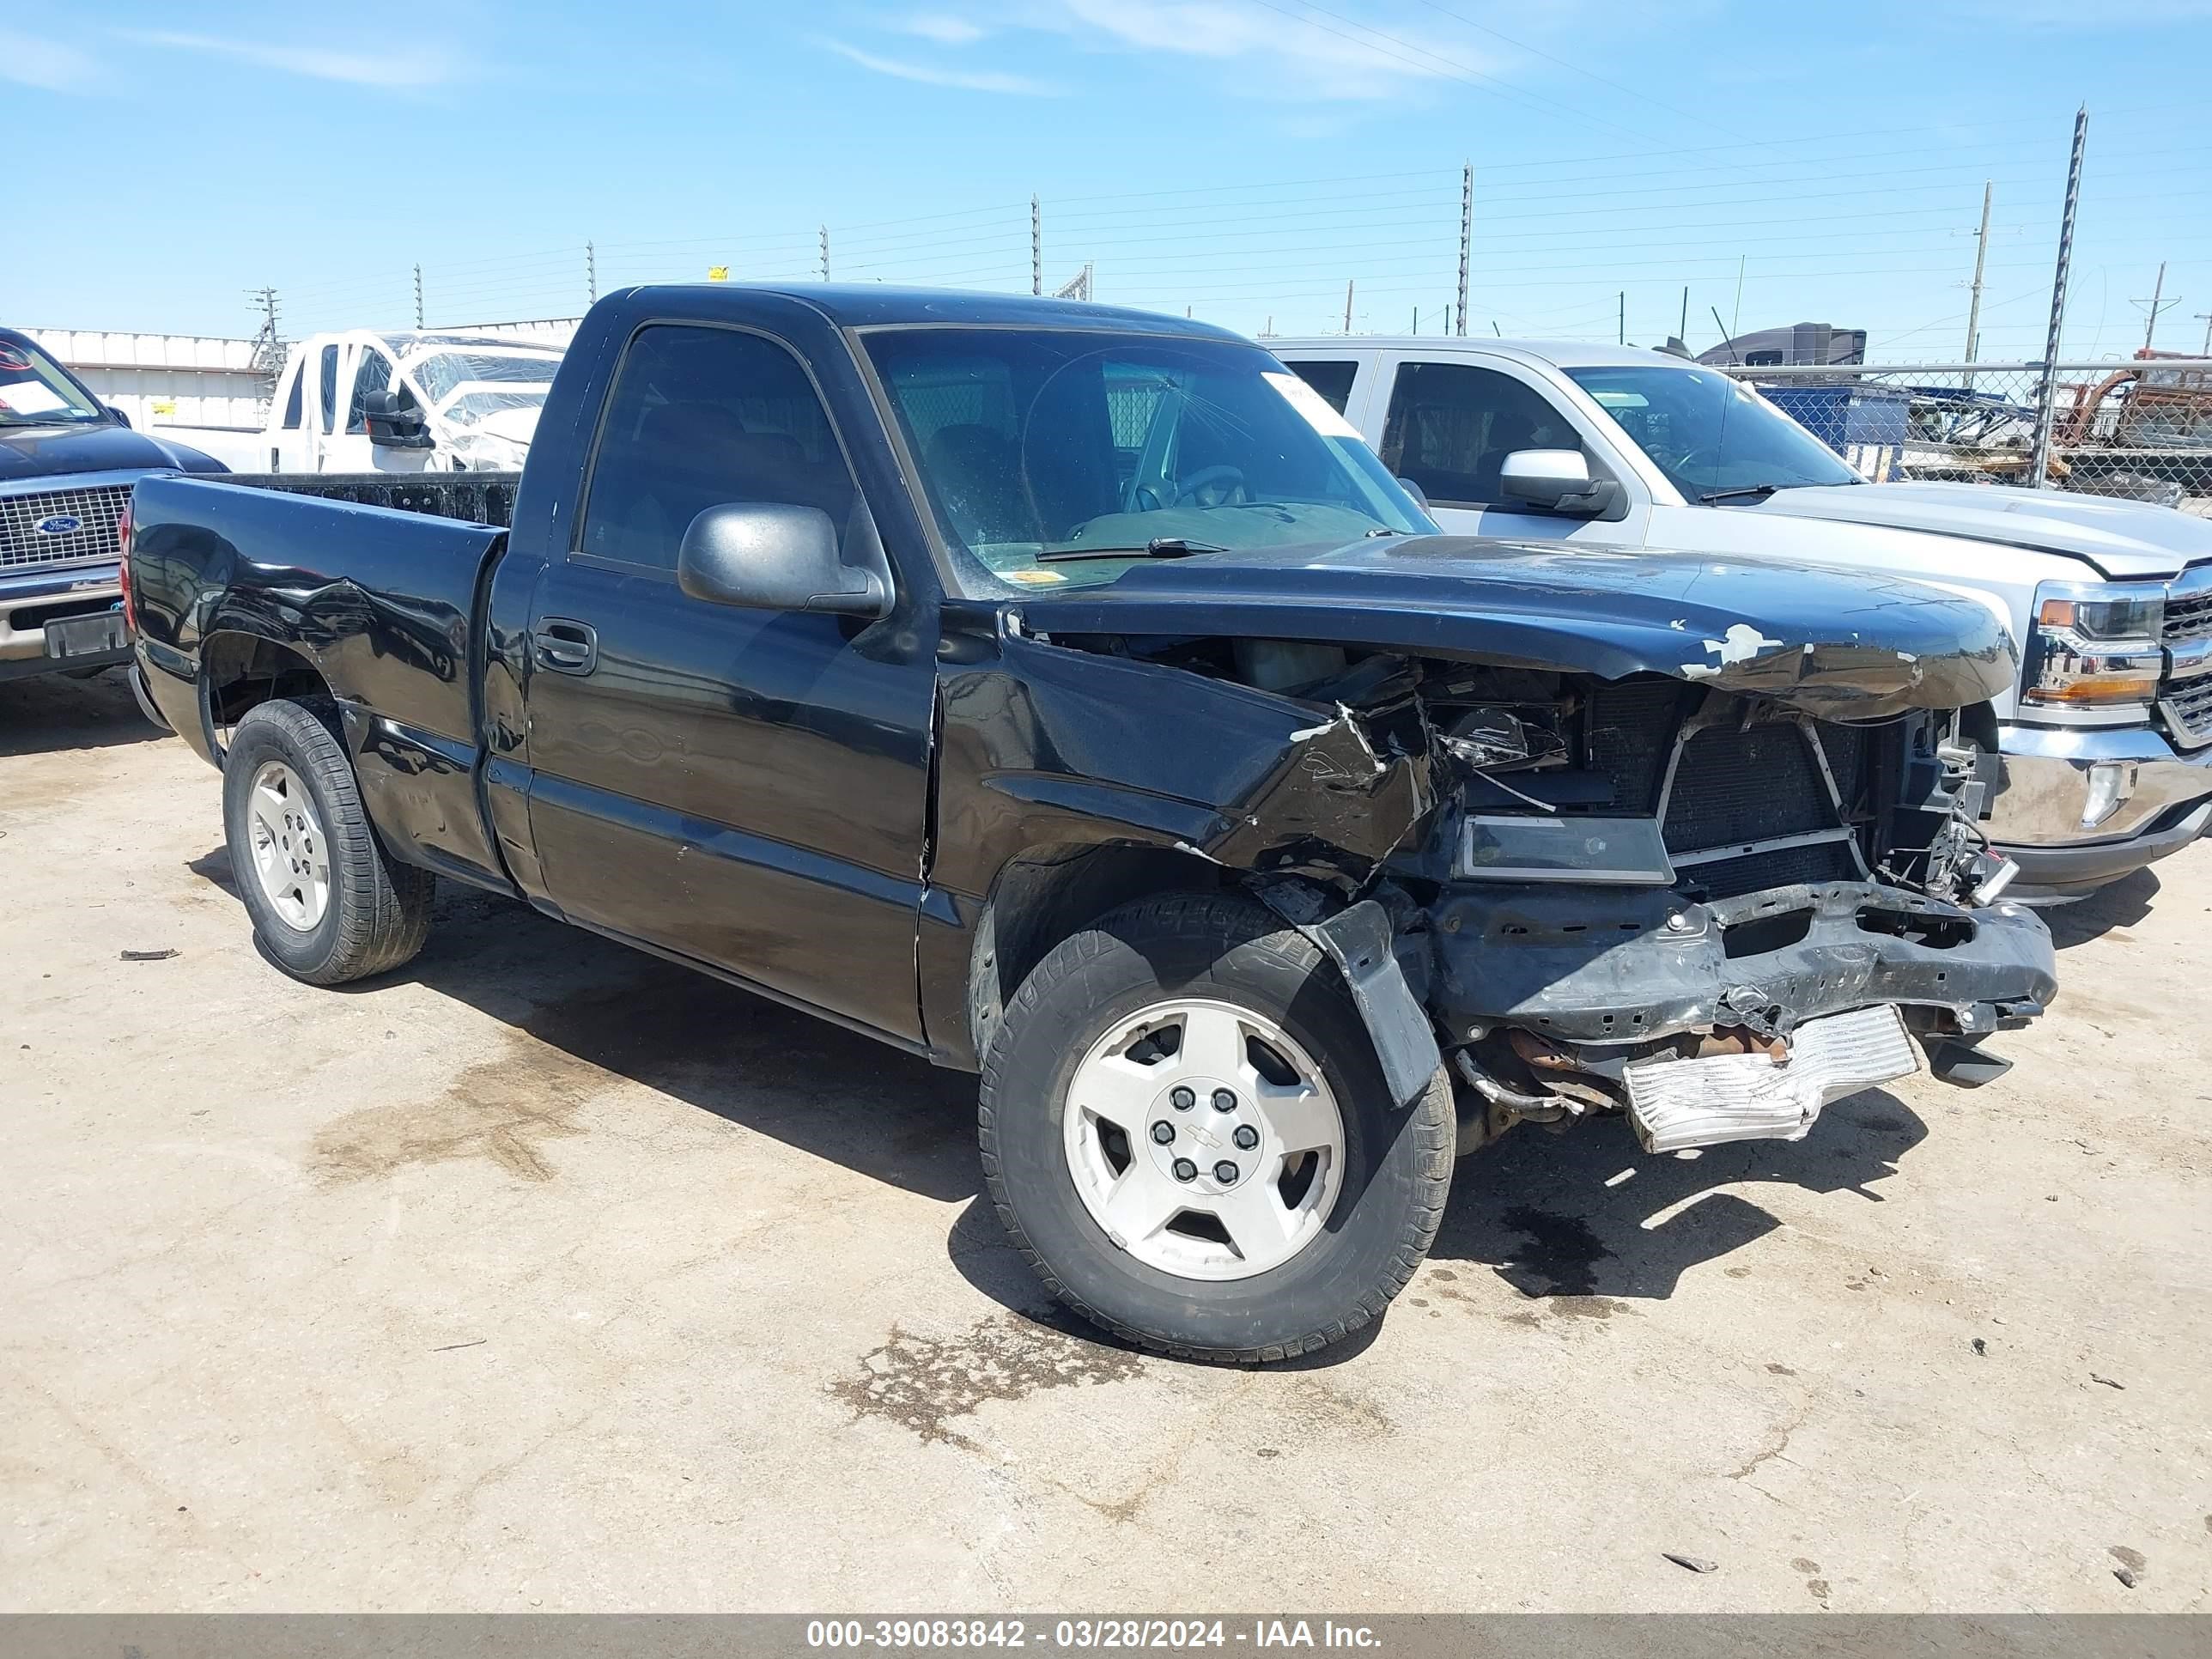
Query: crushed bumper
1627, 966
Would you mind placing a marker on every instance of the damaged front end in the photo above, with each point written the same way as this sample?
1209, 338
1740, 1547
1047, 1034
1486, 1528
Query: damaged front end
1717, 913
1713, 901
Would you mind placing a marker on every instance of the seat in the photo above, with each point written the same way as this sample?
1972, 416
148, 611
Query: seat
977, 475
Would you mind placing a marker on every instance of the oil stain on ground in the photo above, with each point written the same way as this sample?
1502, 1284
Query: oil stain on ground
505, 1108
923, 1384
1560, 1255
533, 1087
671, 1030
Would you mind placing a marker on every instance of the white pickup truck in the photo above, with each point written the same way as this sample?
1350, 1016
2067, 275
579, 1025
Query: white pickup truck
367, 402
2107, 740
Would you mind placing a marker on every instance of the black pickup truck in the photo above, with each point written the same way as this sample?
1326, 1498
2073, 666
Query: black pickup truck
1067, 694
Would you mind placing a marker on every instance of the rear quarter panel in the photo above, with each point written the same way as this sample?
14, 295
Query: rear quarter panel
379, 603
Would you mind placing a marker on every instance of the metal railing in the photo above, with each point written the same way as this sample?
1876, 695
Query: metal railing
2139, 428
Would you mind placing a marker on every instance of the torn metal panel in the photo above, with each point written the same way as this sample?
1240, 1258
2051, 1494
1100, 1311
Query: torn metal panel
1052, 745
1333, 797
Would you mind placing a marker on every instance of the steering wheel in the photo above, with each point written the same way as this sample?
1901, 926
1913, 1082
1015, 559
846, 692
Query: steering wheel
1212, 486
1704, 455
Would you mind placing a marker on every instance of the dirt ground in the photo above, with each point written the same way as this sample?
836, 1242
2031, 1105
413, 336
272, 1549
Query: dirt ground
544, 1275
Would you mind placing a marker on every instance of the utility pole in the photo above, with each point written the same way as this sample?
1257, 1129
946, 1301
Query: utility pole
590, 273
1465, 238
1036, 247
1682, 330
2155, 305
2046, 396
1417, 319
1624, 317
825, 253
268, 349
1347, 305
2205, 318
418, 296
1735, 316
1981, 258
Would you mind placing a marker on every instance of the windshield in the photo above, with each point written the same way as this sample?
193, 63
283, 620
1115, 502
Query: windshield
34, 391
477, 404
440, 373
1707, 431
1034, 446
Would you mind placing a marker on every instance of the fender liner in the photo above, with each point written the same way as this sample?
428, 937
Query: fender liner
1357, 940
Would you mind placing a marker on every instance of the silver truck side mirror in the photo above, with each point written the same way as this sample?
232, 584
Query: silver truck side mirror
1545, 478
1557, 480
769, 556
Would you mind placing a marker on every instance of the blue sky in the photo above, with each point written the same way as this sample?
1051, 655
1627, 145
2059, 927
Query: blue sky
1243, 158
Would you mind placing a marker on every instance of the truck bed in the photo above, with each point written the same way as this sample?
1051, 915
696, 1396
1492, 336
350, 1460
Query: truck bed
471, 497
382, 591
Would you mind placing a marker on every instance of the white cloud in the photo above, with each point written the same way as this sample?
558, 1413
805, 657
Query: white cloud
393, 71
1289, 52
1020, 86
942, 28
30, 61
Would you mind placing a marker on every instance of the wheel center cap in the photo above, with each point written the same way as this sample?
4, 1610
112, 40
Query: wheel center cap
1204, 1146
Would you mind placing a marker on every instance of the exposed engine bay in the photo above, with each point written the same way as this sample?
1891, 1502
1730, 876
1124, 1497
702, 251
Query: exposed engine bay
1703, 906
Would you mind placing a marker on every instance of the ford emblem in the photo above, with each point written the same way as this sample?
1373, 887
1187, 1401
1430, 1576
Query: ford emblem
60, 525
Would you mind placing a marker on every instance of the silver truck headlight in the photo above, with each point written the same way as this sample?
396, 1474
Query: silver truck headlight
2094, 645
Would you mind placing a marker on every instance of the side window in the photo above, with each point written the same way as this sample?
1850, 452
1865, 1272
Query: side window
374, 375
697, 418
328, 386
1333, 380
1451, 426
296, 381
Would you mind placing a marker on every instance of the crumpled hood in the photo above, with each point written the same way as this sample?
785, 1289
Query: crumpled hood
43, 451
2120, 538
1840, 645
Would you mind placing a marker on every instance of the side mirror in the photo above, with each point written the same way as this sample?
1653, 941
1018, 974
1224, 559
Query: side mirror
116, 414
765, 556
1559, 481
394, 422
1419, 495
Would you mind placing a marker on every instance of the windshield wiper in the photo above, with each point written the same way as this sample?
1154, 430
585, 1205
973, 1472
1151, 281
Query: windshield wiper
1744, 492
1160, 547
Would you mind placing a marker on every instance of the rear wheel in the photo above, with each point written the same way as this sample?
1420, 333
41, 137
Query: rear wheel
1186, 1132
328, 903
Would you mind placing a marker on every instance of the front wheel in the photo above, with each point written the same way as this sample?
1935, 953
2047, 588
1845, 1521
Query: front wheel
1187, 1134
328, 903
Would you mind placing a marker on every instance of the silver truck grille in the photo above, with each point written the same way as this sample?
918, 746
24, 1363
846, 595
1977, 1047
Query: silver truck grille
2188, 615
61, 526
2184, 698
2187, 706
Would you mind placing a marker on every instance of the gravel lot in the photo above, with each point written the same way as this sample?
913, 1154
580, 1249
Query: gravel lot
544, 1275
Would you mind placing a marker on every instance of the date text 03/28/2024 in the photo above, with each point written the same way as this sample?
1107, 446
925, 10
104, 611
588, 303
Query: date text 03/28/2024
1084, 1633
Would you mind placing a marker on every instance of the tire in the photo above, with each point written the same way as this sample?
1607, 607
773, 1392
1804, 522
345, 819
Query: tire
375, 912
1170, 1290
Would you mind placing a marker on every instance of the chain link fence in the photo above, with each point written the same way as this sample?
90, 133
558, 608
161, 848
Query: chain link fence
2139, 429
